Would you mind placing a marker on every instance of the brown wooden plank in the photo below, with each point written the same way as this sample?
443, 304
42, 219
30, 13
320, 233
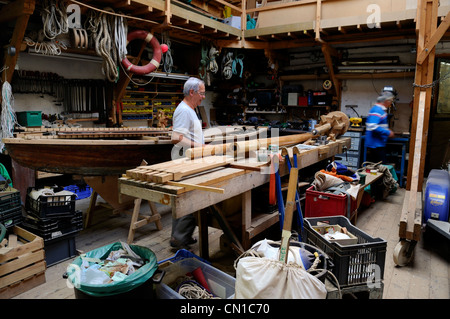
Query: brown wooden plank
21, 262
22, 274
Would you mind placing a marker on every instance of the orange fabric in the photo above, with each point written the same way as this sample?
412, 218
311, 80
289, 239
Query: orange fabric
333, 173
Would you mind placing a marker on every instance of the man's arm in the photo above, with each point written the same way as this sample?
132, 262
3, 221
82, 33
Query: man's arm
178, 138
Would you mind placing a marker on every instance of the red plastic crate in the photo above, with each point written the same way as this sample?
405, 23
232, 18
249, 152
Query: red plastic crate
320, 204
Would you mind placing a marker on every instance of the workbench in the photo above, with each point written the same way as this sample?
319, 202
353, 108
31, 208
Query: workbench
237, 177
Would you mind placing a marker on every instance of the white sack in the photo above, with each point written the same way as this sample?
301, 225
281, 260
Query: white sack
263, 278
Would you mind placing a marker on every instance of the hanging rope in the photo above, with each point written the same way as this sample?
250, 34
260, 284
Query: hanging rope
54, 18
120, 35
47, 47
167, 60
227, 62
102, 27
212, 66
8, 116
203, 62
238, 61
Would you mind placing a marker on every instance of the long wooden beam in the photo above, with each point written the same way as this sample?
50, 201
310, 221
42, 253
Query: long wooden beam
21, 11
327, 53
427, 25
410, 221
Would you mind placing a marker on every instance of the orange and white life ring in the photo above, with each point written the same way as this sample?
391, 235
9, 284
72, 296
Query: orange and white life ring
157, 53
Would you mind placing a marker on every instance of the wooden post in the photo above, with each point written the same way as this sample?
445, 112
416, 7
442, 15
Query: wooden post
427, 25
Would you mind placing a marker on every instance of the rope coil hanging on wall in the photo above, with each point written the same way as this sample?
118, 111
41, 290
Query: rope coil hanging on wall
8, 116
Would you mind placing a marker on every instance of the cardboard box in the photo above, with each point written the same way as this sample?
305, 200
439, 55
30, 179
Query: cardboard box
293, 98
324, 229
234, 21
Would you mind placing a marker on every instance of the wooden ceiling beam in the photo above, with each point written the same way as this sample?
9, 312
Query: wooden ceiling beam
16, 9
434, 39
328, 52
21, 11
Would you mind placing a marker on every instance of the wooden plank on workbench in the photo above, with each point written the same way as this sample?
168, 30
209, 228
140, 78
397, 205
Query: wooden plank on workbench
214, 177
170, 189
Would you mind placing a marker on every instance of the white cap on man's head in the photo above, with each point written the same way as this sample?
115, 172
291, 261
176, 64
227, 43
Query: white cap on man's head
386, 95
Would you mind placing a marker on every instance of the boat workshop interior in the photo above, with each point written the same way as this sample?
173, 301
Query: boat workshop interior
285, 202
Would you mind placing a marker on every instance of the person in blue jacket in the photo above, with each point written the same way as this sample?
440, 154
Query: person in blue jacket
377, 128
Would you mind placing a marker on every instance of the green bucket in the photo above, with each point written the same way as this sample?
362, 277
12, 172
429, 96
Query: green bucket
121, 289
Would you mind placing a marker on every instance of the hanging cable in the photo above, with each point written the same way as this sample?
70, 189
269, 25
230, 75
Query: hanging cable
105, 47
120, 35
203, 62
238, 61
227, 62
166, 59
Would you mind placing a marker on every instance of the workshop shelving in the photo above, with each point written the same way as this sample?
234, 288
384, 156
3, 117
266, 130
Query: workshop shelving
144, 102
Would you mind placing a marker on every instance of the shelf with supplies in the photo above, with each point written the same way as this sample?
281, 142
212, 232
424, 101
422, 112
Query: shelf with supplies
308, 106
155, 100
352, 157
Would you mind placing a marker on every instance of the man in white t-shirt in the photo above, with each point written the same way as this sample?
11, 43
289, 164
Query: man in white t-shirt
187, 128
186, 133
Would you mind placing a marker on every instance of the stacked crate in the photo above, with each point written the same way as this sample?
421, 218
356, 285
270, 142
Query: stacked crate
22, 264
10, 207
55, 219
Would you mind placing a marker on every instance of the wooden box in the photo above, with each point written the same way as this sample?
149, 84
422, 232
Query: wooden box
23, 266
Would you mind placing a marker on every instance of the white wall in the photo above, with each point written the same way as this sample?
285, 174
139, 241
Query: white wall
364, 93
67, 68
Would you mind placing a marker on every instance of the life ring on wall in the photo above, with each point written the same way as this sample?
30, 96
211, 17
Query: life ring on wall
157, 53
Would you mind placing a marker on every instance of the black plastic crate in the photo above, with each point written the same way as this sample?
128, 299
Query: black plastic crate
60, 249
11, 217
9, 200
356, 264
52, 228
50, 206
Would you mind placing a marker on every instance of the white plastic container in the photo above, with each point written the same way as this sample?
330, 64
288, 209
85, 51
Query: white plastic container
221, 284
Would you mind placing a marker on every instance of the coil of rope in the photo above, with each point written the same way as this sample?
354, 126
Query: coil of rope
54, 18
227, 62
192, 290
102, 27
46, 48
212, 66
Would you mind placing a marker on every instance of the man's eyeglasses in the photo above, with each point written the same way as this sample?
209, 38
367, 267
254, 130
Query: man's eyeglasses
202, 93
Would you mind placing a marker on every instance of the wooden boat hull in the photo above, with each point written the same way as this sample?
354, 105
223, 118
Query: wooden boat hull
105, 152
94, 158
